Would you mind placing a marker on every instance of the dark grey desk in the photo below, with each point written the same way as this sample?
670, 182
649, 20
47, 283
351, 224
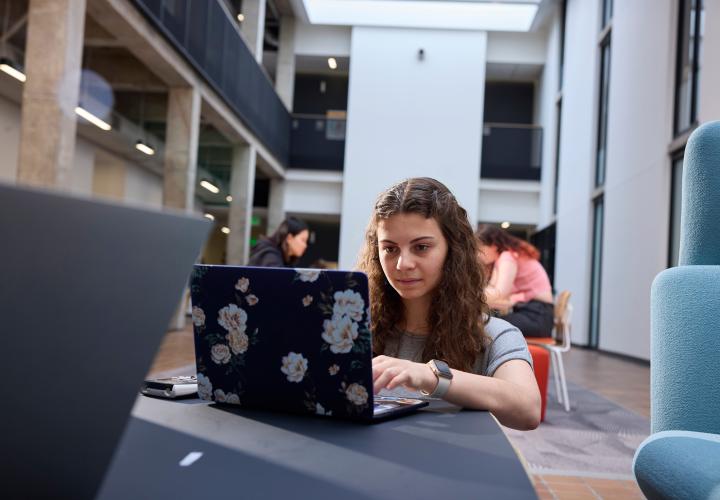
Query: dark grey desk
438, 453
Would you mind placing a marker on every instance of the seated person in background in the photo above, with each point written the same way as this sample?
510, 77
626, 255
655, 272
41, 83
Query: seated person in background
283, 249
518, 281
431, 328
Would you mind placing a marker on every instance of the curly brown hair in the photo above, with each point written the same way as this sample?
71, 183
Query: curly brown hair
493, 235
458, 303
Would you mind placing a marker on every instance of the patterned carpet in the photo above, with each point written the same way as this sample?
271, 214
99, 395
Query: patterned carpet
597, 438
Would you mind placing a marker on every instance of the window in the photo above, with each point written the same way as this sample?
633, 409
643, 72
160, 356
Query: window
607, 8
691, 20
563, 10
675, 209
596, 271
601, 151
558, 118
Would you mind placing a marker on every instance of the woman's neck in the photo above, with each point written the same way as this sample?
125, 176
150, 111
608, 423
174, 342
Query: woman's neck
416, 315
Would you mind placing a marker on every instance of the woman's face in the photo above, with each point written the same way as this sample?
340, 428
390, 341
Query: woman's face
412, 254
297, 244
487, 254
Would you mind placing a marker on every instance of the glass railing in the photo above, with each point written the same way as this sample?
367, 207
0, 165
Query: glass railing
511, 151
206, 34
318, 141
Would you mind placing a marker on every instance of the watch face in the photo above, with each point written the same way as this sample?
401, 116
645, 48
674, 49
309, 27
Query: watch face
443, 368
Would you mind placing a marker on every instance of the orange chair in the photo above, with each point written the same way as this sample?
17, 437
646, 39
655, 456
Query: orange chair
541, 363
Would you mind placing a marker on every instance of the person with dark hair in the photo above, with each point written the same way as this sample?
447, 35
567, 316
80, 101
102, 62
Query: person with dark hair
518, 281
284, 247
431, 328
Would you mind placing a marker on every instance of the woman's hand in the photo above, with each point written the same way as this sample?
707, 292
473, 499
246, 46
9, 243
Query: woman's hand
389, 373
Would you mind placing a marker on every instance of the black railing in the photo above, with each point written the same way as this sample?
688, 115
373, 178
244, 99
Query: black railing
317, 142
205, 33
511, 151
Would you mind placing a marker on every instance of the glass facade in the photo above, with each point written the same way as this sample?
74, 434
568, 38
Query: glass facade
675, 209
596, 271
689, 50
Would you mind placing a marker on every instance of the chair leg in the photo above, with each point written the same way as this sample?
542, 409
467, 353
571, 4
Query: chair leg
563, 382
556, 376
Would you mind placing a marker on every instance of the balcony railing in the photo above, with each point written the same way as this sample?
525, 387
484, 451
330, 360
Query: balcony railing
205, 33
511, 151
317, 142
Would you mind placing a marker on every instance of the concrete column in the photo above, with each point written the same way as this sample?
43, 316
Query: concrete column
242, 186
276, 205
285, 71
181, 145
53, 59
253, 26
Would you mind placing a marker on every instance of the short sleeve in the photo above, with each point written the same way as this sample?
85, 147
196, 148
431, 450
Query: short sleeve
507, 256
507, 343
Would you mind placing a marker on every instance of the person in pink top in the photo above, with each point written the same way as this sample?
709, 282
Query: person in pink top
518, 281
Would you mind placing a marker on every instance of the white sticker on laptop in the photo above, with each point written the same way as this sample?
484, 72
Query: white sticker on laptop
191, 458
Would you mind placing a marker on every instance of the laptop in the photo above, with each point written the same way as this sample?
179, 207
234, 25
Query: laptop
294, 340
87, 290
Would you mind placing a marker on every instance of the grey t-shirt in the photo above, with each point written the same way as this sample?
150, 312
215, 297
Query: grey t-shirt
505, 343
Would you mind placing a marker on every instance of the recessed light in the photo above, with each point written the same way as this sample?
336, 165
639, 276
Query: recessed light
144, 148
210, 186
505, 225
228, 198
241, 17
84, 113
225, 230
332, 63
210, 216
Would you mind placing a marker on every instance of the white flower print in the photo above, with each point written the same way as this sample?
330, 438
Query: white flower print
308, 275
231, 317
307, 300
319, 410
220, 353
294, 365
204, 387
238, 341
356, 394
242, 285
230, 397
252, 299
349, 303
198, 316
333, 370
340, 333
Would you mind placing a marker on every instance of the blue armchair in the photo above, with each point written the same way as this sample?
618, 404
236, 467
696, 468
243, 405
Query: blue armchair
681, 458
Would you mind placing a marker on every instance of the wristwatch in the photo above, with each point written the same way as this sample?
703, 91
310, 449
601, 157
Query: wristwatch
444, 375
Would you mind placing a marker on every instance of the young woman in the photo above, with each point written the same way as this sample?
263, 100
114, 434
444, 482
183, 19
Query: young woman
429, 318
518, 280
286, 245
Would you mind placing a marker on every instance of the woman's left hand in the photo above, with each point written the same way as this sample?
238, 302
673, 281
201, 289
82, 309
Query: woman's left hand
389, 373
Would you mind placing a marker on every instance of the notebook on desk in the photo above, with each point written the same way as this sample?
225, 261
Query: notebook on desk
294, 340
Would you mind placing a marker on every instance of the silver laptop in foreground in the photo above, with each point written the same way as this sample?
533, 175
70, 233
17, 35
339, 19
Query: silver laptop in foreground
86, 292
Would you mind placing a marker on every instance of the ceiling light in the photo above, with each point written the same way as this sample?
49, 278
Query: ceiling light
141, 146
210, 216
225, 230
241, 17
92, 118
7, 67
505, 225
332, 63
210, 187
228, 198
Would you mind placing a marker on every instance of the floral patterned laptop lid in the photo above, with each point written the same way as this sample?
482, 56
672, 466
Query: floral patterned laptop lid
286, 339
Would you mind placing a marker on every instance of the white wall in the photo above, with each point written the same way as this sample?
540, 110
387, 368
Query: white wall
9, 139
578, 128
637, 185
313, 192
516, 47
314, 40
512, 201
410, 118
547, 90
143, 187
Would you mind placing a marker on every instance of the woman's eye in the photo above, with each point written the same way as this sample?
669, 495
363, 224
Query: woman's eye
388, 249
422, 248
